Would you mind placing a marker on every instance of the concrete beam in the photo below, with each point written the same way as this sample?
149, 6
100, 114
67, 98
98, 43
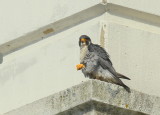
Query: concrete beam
52, 29
151, 7
90, 98
112, 6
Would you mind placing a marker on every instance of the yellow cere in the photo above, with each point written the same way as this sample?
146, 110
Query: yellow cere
83, 40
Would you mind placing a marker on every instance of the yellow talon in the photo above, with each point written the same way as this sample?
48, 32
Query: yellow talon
80, 66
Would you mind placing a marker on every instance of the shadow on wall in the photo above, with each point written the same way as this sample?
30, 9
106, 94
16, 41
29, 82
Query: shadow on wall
1, 58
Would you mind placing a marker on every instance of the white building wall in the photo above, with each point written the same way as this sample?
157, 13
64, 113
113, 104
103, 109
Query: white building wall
131, 37
18, 17
44, 68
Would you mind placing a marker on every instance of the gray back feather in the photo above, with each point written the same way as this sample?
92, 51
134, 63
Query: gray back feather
99, 52
103, 60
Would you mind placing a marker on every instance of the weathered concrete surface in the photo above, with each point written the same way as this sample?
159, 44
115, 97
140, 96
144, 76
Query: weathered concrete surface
31, 73
19, 17
151, 7
43, 68
91, 98
52, 29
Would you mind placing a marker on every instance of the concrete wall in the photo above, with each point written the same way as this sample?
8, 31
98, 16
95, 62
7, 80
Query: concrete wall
93, 97
19, 17
132, 40
43, 68
129, 30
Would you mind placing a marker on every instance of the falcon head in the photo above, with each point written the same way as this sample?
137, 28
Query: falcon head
84, 40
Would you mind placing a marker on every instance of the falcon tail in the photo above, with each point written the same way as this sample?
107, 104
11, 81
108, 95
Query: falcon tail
122, 76
127, 88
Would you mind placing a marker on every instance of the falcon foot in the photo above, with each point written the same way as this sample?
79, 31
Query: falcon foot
80, 66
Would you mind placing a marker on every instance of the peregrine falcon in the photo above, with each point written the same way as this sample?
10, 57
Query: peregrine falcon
95, 63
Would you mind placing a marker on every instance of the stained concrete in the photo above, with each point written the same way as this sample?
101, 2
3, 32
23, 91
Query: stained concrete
131, 38
52, 29
93, 97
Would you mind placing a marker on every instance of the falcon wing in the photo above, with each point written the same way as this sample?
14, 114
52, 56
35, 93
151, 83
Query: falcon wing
103, 60
99, 51
105, 63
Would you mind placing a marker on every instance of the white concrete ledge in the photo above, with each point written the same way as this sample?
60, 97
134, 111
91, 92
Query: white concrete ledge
92, 97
